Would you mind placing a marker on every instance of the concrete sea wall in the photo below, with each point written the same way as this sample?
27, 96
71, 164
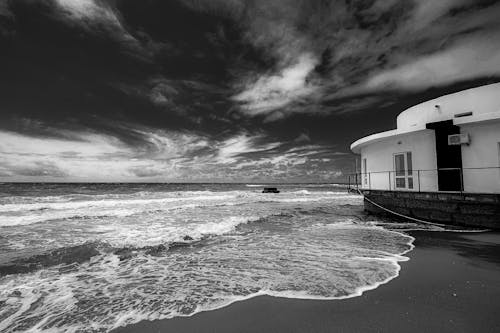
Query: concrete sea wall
467, 209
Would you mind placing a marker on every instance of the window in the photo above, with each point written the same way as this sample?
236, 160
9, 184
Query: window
403, 167
409, 163
399, 160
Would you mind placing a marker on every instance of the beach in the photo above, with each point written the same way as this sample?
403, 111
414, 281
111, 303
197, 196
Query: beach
450, 284
258, 166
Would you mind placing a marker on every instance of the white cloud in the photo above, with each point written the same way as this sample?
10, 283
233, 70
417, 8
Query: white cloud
170, 145
100, 18
87, 144
162, 93
230, 149
303, 137
163, 156
276, 161
428, 11
472, 57
301, 156
90, 156
271, 92
89, 10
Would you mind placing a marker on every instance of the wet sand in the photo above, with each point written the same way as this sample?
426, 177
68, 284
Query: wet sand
450, 284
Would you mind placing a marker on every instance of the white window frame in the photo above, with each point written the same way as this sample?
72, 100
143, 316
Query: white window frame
498, 146
364, 169
408, 172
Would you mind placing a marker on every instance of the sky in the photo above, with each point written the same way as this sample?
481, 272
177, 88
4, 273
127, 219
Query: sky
223, 90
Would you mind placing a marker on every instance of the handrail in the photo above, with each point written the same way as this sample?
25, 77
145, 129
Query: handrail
411, 179
439, 169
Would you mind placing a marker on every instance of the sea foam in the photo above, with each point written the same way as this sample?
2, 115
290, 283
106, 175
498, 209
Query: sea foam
162, 255
107, 292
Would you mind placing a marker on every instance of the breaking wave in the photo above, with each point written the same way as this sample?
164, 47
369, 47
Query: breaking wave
110, 290
180, 253
25, 213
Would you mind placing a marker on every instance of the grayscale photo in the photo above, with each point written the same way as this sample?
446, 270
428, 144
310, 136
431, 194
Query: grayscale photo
249, 166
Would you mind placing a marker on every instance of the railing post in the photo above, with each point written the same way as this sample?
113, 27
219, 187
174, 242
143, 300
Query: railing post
418, 177
370, 180
389, 180
461, 181
348, 183
357, 187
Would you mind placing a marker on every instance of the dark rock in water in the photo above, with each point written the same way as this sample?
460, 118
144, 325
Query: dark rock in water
66, 255
129, 252
178, 245
270, 190
125, 253
156, 250
16, 293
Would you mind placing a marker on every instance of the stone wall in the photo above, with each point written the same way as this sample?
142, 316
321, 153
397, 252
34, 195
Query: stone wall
467, 209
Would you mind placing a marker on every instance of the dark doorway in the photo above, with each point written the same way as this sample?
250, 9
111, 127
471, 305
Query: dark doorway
449, 158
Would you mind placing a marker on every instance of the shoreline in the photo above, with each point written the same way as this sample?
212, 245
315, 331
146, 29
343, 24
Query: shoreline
450, 284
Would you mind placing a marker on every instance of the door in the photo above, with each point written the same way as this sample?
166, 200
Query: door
448, 158
403, 171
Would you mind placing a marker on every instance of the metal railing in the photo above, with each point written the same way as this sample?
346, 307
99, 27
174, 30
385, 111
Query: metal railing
428, 180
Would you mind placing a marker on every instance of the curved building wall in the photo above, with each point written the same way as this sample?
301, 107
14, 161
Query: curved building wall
423, 131
380, 168
481, 159
478, 101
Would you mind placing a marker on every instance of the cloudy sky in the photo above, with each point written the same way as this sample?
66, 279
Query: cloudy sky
223, 90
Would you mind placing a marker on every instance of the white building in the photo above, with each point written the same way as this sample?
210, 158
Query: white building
451, 143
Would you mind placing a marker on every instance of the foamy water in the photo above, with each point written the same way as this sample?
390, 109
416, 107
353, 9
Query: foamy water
95, 258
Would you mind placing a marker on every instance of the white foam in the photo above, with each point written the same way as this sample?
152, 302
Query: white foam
288, 254
154, 234
302, 192
113, 293
30, 213
226, 225
98, 204
114, 208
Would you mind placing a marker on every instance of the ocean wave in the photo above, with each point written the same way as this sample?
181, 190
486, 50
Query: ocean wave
109, 291
130, 257
123, 247
68, 255
57, 203
69, 215
27, 214
106, 203
10, 221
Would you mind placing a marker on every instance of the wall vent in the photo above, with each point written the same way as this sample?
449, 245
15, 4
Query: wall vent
458, 139
464, 114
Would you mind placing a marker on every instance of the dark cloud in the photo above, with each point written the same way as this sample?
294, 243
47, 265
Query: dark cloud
224, 88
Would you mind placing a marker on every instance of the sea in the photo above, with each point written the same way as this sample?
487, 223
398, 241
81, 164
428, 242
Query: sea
96, 257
